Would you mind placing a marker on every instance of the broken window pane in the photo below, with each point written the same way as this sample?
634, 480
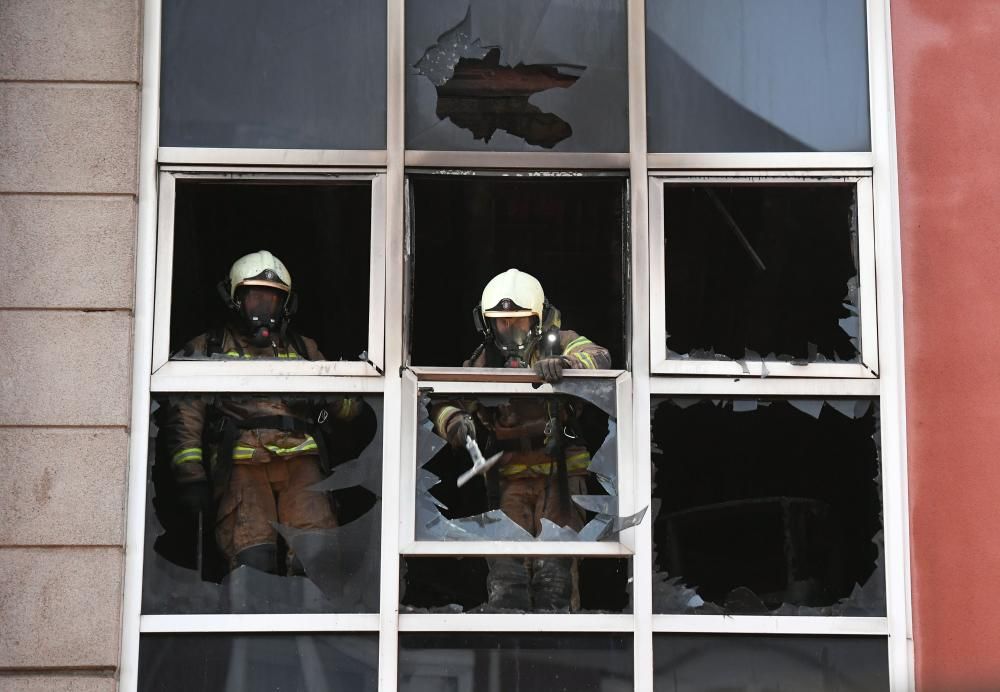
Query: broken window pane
568, 232
767, 507
761, 272
757, 75
546, 466
263, 504
320, 233
709, 663
258, 662
519, 584
305, 75
515, 662
520, 75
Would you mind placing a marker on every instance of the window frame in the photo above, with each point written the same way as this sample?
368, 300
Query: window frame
193, 371
390, 163
662, 364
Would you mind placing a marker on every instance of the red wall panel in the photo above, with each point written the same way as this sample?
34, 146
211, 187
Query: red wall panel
947, 80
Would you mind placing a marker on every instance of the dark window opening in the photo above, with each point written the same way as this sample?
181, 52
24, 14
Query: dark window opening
287, 522
710, 663
515, 662
322, 234
258, 662
767, 507
761, 272
462, 584
569, 233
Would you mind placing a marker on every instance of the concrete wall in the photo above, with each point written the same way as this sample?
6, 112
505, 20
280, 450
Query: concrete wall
69, 102
947, 75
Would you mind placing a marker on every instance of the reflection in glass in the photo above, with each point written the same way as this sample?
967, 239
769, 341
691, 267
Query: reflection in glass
304, 75
463, 584
518, 662
263, 504
757, 75
320, 232
708, 663
519, 75
767, 507
761, 272
258, 662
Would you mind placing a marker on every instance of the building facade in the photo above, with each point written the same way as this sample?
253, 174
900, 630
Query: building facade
753, 206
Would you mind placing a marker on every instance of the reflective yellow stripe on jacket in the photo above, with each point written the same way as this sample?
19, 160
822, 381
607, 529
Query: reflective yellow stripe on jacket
245, 453
574, 462
187, 456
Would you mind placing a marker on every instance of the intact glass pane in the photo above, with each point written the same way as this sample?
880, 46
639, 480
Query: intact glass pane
263, 503
757, 75
258, 662
319, 231
310, 74
762, 272
519, 75
767, 507
749, 663
516, 662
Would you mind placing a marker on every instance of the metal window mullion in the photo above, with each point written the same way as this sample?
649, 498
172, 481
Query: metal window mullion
376, 275
885, 194
521, 548
799, 388
164, 263
507, 160
142, 349
761, 160
220, 383
260, 622
642, 301
388, 647
521, 622
771, 624
247, 156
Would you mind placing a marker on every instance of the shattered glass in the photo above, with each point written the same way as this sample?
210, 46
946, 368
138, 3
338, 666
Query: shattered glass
304, 75
712, 663
522, 75
762, 273
315, 570
326, 248
767, 507
258, 662
525, 496
463, 585
515, 662
757, 75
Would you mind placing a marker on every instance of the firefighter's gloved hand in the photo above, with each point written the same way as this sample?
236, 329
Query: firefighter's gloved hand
194, 498
551, 369
458, 429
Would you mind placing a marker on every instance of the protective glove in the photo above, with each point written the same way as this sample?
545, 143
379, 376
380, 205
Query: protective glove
458, 428
551, 369
194, 498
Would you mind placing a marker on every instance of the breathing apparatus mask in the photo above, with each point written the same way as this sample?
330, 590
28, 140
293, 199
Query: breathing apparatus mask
259, 291
261, 310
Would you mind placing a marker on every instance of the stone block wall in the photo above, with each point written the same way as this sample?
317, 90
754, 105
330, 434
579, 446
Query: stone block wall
69, 119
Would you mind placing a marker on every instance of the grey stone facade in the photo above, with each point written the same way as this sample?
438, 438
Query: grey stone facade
69, 119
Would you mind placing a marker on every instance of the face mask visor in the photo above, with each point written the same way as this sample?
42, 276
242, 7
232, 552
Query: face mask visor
261, 309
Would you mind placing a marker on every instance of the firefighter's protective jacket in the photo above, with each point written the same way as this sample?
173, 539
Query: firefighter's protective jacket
518, 428
184, 421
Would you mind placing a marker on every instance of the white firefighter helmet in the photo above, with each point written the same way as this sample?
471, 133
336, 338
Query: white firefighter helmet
259, 269
513, 294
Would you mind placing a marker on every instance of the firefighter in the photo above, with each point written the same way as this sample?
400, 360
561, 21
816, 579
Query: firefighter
253, 459
544, 461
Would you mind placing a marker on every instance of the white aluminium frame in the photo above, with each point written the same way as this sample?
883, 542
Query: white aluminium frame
411, 545
868, 355
180, 371
878, 166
